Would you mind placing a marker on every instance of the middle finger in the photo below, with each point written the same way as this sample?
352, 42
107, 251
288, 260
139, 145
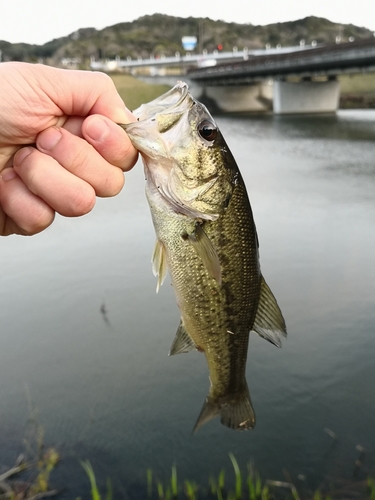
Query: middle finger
66, 193
77, 156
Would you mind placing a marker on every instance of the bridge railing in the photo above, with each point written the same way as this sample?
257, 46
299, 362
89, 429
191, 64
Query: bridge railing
323, 60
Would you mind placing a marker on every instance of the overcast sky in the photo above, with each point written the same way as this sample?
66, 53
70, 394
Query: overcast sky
39, 21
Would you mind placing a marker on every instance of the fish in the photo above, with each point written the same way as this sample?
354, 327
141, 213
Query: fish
206, 238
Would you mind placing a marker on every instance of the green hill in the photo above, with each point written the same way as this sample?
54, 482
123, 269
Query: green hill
161, 34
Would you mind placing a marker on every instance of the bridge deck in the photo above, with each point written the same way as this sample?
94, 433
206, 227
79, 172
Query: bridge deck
327, 60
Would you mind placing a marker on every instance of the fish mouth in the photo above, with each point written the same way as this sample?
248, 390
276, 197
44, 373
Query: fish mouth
170, 101
174, 103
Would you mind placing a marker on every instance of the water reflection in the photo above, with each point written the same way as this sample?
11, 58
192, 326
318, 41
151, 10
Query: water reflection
113, 396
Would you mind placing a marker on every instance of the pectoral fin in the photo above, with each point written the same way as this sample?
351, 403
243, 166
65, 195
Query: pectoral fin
182, 342
206, 251
269, 322
159, 263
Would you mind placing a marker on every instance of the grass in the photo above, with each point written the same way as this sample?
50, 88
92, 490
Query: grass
34, 484
29, 478
246, 487
135, 92
95, 495
357, 91
35, 479
361, 83
251, 487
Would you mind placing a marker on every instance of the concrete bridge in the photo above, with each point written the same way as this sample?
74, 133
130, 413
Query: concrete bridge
188, 60
299, 79
296, 82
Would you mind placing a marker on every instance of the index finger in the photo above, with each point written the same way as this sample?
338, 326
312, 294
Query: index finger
82, 93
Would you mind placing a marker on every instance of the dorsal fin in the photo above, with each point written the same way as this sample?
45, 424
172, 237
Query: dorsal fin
159, 263
182, 342
206, 251
269, 322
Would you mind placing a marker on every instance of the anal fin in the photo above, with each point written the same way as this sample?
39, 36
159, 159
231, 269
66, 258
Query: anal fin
182, 342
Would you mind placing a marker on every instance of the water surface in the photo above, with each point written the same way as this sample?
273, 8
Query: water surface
104, 387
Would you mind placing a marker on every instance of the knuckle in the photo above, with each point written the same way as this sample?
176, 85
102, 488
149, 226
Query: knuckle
112, 185
38, 221
81, 203
77, 159
104, 82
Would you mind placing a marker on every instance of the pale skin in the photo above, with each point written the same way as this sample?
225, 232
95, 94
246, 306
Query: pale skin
60, 145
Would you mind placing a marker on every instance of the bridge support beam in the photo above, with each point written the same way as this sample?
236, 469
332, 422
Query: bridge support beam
239, 98
306, 97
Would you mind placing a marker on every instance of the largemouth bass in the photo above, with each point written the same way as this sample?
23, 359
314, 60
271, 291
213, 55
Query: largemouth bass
206, 238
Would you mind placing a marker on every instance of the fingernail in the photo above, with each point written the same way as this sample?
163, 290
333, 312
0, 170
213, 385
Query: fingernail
123, 115
8, 174
21, 155
97, 129
130, 117
48, 139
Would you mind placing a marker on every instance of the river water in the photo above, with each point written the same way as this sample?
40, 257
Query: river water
84, 338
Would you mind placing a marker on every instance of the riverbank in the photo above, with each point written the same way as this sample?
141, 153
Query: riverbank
357, 91
134, 92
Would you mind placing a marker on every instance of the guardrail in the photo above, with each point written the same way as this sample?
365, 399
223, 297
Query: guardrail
200, 60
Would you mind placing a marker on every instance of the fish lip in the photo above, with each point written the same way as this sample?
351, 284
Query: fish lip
177, 99
163, 103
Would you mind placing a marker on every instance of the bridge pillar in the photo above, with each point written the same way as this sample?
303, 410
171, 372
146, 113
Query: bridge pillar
306, 97
239, 98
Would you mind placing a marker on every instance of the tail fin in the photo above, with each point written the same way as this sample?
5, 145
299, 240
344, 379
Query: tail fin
236, 410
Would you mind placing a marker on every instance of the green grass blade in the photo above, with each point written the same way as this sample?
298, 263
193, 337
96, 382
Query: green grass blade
317, 495
251, 488
237, 472
258, 487
221, 479
168, 494
190, 490
159, 487
212, 485
174, 484
109, 494
149, 483
371, 488
219, 494
265, 493
89, 471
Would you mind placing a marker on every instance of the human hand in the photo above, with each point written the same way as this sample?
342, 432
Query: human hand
59, 144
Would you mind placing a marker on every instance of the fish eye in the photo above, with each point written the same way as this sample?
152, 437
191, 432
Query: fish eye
207, 130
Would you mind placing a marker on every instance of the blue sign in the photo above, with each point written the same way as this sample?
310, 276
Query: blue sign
189, 42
